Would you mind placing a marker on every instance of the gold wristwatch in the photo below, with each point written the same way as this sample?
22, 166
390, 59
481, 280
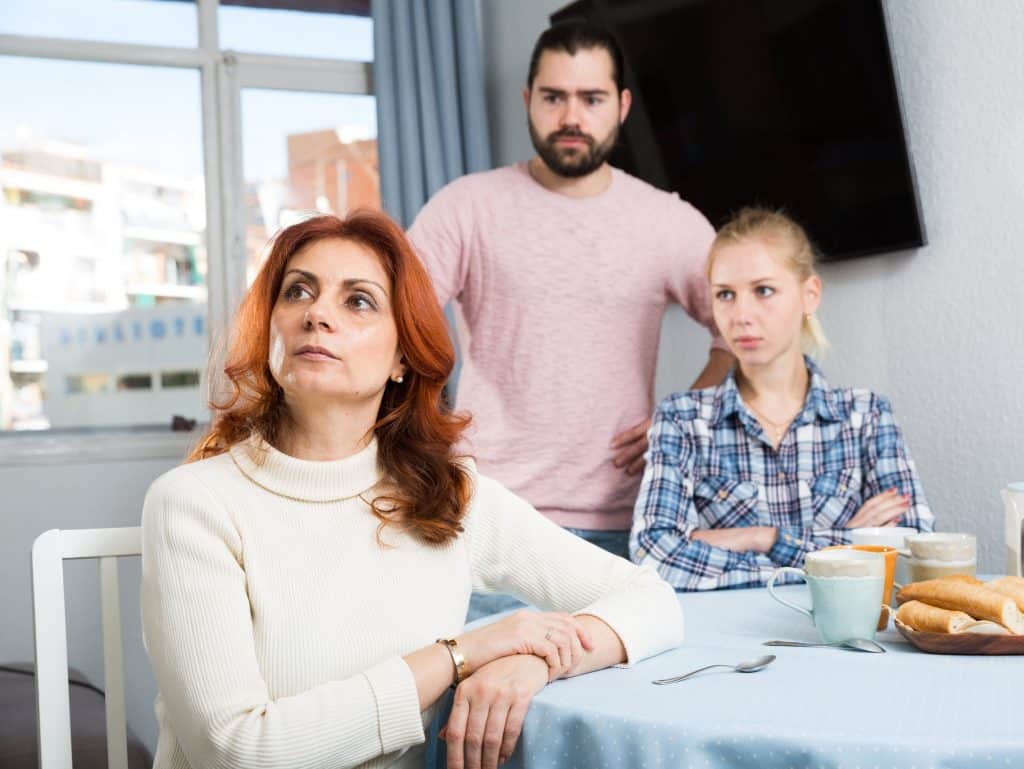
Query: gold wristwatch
458, 661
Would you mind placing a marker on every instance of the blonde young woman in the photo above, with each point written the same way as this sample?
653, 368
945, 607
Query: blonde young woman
774, 462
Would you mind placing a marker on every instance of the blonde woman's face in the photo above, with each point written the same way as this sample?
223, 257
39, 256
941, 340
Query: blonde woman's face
759, 302
332, 330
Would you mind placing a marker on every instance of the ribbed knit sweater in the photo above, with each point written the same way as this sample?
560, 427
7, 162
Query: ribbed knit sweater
276, 623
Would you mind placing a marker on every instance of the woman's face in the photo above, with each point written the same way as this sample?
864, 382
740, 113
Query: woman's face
332, 331
759, 302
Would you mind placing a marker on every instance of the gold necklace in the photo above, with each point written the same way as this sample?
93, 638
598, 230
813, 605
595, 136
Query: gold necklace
779, 427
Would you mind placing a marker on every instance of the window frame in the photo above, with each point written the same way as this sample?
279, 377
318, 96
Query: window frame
223, 73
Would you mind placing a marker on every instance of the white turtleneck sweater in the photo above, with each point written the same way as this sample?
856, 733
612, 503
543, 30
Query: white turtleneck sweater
276, 623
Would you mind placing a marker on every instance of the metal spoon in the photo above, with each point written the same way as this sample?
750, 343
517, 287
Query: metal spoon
750, 666
857, 644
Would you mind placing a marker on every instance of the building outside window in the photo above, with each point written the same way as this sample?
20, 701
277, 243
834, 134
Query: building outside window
155, 148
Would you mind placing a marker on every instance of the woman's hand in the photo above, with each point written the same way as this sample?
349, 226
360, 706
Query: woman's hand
557, 638
488, 712
881, 510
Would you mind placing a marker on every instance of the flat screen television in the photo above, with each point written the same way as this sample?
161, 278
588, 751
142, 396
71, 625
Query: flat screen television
784, 103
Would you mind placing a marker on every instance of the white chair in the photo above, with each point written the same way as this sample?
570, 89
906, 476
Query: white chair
49, 552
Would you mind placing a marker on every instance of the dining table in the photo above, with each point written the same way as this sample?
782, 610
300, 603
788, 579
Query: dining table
811, 707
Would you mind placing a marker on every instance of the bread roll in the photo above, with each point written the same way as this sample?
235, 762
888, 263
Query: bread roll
1012, 587
980, 601
985, 627
930, 619
963, 578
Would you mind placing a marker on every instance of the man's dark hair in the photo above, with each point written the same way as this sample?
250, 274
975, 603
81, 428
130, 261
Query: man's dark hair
573, 36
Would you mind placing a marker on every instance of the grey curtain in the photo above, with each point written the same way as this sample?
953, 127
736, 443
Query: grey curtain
431, 114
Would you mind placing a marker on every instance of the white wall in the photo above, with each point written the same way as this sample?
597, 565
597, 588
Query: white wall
940, 329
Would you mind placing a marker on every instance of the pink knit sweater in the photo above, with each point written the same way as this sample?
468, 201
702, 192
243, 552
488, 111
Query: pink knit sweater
561, 302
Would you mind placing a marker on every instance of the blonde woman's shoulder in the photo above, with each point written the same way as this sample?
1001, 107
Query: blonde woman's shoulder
859, 404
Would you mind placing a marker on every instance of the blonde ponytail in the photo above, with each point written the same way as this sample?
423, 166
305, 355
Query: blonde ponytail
812, 337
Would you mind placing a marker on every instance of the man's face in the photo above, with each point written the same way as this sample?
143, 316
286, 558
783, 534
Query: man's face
575, 110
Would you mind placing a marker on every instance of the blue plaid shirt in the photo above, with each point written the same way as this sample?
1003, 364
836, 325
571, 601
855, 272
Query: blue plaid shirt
710, 466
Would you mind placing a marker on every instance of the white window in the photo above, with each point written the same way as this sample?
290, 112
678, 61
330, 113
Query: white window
148, 152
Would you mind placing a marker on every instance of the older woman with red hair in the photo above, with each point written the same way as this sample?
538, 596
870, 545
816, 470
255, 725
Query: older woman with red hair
306, 575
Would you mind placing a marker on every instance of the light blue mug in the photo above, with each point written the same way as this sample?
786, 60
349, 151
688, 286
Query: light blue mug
846, 590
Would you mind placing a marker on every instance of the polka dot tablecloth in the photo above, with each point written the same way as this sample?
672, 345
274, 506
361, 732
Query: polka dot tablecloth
823, 708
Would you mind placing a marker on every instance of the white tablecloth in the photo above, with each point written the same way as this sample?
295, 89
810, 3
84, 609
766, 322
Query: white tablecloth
810, 708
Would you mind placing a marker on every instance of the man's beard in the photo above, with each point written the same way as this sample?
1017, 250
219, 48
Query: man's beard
572, 162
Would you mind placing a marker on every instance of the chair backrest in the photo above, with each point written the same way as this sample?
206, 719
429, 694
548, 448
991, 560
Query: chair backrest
53, 709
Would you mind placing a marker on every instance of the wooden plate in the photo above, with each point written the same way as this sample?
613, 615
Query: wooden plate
962, 643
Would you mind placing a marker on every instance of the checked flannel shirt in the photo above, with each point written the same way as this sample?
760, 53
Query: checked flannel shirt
710, 466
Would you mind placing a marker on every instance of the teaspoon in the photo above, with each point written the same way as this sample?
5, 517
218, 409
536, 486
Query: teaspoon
750, 666
857, 644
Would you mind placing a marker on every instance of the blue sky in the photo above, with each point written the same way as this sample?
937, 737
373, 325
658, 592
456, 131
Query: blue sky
151, 115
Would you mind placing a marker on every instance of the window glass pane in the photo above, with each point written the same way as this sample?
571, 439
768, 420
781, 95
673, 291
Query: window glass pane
102, 244
296, 33
88, 383
135, 382
179, 378
303, 153
152, 22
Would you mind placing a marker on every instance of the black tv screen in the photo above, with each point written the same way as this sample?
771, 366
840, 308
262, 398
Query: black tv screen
784, 103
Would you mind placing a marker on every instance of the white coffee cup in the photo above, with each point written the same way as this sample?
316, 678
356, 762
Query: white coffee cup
890, 536
846, 588
844, 563
943, 546
939, 554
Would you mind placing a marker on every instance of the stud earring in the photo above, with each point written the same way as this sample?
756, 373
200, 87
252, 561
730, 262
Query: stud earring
399, 379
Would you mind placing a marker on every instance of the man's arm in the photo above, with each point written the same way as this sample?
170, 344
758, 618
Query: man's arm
718, 365
632, 443
439, 237
688, 283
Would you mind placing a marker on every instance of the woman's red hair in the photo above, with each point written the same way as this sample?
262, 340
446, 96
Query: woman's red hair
415, 432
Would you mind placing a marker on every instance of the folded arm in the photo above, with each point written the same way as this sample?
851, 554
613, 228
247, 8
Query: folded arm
626, 612
666, 527
515, 549
891, 489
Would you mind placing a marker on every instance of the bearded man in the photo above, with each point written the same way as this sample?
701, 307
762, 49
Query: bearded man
562, 268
